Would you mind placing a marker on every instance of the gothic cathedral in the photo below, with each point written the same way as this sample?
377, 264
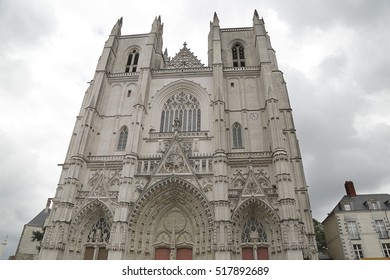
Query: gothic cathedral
172, 159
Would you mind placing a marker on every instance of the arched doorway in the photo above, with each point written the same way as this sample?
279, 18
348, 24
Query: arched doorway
256, 230
171, 220
90, 232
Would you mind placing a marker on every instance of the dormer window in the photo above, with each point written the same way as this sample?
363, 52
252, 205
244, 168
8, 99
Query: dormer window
238, 56
132, 61
347, 207
374, 205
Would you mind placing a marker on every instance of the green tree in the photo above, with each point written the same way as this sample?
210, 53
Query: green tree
37, 235
320, 237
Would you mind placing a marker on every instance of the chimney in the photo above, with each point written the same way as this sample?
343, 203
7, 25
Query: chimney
350, 189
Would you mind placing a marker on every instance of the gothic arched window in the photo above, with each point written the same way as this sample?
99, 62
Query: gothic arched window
123, 138
237, 139
238, 56
254, 241
97, 239
253, 232
132, 61
185, 108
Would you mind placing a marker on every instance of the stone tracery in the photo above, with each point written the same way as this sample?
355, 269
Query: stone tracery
175, 214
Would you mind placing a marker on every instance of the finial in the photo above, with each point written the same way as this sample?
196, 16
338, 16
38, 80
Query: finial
185, 45
155, 24
256, 18
216, 19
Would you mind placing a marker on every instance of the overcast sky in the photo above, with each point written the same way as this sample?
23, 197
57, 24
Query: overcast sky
334, 55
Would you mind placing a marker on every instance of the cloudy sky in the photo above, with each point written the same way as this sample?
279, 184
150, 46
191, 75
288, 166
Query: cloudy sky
334, 55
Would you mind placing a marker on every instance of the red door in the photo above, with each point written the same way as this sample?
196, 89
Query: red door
89, 251
102, 254
162, 254
184, 254
262, 253
247, 253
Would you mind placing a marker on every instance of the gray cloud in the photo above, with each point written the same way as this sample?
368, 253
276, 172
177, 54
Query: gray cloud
24, 23
326, 14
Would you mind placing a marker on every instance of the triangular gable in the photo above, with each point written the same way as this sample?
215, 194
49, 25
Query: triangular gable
253, 186
184, 59
174, 161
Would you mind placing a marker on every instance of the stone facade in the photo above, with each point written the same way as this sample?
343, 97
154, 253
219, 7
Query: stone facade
358, 227
172, 159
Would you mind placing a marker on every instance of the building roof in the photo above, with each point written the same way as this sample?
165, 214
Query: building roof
361, 203
39, 219
352, 202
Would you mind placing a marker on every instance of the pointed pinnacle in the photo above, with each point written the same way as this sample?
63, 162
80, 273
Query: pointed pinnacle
216, 19
256, 17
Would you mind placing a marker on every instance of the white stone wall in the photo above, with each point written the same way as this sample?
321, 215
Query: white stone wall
98, 179
27, 249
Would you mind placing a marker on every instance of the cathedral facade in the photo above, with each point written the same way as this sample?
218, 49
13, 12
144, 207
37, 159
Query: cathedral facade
172, 159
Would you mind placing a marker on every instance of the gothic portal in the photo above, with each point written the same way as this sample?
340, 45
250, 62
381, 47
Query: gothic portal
172, 159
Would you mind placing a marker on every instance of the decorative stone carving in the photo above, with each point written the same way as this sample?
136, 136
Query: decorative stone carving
207, 184
174, 163
100, 232
184, 59
174, 222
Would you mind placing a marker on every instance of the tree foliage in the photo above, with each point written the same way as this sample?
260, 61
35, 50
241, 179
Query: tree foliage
37, 235
320, 237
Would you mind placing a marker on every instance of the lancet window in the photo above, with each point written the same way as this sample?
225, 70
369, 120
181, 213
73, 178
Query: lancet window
123, 138
97, 239
132, 61
238, 56
237, 139
182, 107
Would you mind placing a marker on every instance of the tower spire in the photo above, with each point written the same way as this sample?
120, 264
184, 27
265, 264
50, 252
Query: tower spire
156, 24
256, 18
116, 30
216, 19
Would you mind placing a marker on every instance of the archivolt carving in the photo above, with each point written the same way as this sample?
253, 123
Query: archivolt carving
174, 185
90, 213
172, 212
260, 206
254, 207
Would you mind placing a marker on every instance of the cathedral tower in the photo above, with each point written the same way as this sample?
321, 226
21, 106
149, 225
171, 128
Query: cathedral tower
172, 159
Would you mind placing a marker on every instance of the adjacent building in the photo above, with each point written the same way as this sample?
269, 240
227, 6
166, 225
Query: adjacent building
172, 159
28, 249
358, 227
